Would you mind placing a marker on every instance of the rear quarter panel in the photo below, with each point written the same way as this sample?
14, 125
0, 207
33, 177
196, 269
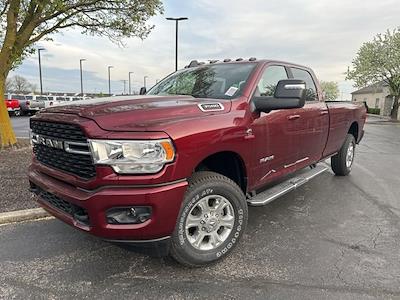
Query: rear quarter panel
341, 116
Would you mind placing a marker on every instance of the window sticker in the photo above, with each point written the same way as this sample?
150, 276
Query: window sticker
231, 91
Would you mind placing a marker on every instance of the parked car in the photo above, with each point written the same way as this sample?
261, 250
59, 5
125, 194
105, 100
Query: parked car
177, 167
33, 104
12, 105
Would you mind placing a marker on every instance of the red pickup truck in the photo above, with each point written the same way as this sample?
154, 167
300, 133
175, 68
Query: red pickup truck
177, 167
12, 105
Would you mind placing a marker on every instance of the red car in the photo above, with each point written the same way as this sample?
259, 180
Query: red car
12, 106
178, 167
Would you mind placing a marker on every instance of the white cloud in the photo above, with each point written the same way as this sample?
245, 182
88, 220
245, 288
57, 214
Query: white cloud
322, 34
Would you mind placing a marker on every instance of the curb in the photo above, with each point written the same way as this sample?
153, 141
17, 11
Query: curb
22, 215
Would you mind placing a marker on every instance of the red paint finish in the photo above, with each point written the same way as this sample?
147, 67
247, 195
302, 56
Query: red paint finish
292, 139
12, 104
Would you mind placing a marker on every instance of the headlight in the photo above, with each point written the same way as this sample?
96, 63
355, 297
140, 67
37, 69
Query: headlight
133, 157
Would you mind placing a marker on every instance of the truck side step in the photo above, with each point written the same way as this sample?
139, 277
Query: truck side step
286, 186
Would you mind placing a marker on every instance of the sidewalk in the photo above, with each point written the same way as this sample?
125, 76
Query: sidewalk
376, 119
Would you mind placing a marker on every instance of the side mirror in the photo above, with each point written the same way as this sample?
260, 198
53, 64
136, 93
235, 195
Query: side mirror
289, 93
142, 91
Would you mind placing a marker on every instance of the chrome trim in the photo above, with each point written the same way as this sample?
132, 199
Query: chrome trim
296, 162
300, 86
68, 149
221, 107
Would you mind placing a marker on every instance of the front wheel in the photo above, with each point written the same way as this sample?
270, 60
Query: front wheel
342, 162
211, 221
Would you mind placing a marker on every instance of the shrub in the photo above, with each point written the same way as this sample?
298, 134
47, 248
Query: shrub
375, 111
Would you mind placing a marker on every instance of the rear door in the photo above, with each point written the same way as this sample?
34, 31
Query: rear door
312, 120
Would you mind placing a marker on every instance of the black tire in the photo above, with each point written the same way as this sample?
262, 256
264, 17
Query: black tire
339, 162
201, 185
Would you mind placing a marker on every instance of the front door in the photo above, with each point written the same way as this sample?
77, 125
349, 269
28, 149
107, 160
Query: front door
276, 132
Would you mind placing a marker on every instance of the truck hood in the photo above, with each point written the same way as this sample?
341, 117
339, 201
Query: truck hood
142, 113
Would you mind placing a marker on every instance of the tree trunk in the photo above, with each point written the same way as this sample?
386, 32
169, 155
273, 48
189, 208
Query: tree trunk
7, 136
395, 110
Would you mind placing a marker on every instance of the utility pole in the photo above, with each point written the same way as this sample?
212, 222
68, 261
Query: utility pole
109, 80
80, 66
176, 37
130, 90
40, 71
144, 80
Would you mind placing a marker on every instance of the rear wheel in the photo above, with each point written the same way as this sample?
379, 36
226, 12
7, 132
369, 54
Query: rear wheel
211, 221
342, 162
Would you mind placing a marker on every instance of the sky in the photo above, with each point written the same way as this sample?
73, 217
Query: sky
324, 35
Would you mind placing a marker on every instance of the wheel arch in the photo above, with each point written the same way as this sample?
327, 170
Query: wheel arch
354, 130
227, 163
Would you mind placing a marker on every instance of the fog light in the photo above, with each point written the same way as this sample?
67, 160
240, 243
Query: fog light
128, 215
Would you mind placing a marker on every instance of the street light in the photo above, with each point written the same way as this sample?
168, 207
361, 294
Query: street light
130, 90
109, 79
80, 66
40, 71
144, 80
176, 37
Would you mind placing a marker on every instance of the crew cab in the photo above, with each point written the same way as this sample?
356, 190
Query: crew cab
178, 166
12, 106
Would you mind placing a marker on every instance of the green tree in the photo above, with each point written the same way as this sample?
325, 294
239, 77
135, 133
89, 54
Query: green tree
377, 61
25, 22
331, 90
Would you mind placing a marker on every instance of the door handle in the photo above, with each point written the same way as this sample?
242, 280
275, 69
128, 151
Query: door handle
324, 112
293, 117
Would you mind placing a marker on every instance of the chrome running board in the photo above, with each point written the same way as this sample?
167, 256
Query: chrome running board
285, 187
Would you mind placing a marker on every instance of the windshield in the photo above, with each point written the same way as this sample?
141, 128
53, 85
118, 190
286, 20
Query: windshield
220, 81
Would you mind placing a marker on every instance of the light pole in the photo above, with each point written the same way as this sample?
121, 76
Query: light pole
80, 67
130, 90
109, 79
176, 37
144, 80
40, 71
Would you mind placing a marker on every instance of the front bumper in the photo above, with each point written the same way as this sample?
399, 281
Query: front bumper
165, 200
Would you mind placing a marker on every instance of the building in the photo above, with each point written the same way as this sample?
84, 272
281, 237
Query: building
376, 96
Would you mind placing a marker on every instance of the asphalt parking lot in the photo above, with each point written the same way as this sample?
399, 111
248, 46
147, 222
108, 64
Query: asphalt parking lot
21, 126
334, 238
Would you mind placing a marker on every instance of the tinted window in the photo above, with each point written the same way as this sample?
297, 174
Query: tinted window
18, 97
29, 97
61, 98
304, 75
41, 98
221, 81
269, 80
